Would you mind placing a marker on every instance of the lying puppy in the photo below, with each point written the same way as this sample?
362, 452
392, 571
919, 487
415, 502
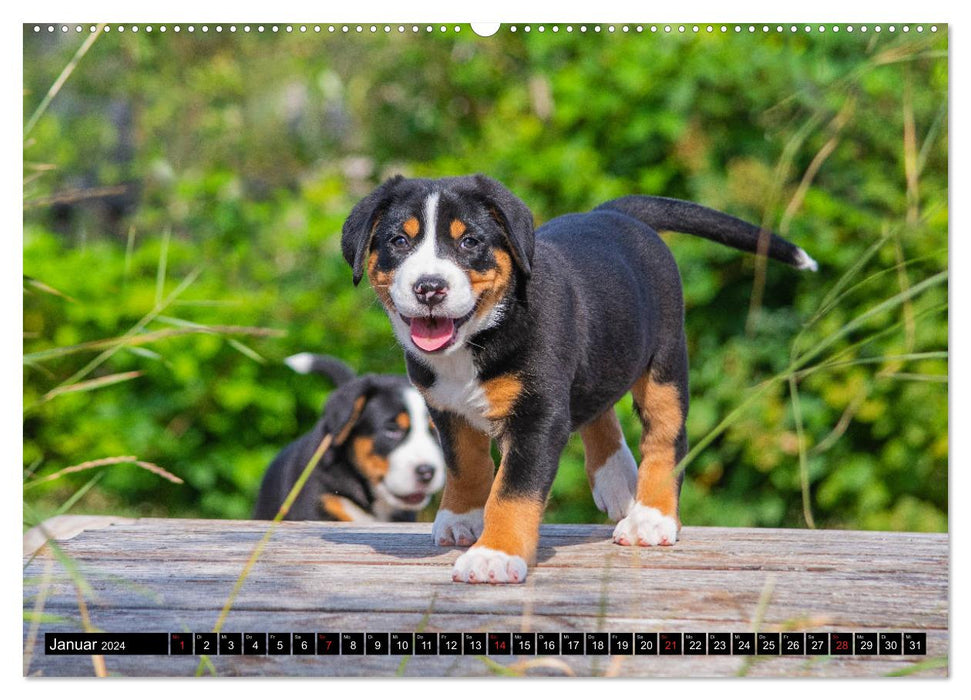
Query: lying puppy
523, 337
384, 463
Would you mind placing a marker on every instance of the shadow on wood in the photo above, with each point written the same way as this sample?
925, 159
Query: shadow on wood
163, 575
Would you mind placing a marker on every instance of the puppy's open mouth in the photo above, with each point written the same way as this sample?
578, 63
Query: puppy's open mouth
414, 499
434, 333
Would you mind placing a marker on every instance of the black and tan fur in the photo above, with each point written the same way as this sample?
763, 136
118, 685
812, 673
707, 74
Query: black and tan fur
524, 336
384, 461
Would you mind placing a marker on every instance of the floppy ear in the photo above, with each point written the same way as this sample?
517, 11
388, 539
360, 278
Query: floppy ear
359, 227
513, 216
344, 408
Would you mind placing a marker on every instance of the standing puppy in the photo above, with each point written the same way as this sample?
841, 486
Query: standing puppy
524, 337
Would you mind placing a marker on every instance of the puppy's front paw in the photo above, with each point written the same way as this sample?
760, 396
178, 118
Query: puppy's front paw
484, 565
646, 526
461, 529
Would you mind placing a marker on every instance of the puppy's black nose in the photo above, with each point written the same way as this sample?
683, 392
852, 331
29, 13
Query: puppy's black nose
425, 473
431, 289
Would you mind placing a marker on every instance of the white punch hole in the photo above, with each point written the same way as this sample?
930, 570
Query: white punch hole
485, 28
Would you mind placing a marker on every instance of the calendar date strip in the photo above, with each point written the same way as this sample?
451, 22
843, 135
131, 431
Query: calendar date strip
488, 643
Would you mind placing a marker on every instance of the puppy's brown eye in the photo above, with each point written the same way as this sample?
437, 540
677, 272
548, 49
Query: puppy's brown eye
400, 242
469, 243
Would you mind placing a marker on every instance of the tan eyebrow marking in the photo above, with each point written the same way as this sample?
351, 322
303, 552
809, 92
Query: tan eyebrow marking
411, 227
456, 229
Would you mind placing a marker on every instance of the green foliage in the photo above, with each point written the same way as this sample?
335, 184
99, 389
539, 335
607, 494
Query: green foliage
250, 150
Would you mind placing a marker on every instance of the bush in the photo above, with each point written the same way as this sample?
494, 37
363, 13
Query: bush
240, 156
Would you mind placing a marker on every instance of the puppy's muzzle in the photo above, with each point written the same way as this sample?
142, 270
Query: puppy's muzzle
424, 473
430, 290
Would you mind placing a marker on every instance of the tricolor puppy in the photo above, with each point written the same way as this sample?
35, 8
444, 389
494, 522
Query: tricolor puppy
524, 336
384, 462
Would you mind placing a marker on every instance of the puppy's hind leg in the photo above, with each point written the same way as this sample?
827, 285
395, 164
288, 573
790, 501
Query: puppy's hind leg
662, 406
610, 465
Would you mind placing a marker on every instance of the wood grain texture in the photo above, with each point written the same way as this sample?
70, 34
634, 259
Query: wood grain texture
175, 575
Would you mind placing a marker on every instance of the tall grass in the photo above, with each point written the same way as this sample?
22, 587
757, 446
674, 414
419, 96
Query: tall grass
140, 334
799, 362
292, 495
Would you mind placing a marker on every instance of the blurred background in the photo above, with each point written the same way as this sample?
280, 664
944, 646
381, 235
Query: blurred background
184, 194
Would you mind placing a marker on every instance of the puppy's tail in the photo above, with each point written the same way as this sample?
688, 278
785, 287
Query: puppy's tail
666, 214
330, 367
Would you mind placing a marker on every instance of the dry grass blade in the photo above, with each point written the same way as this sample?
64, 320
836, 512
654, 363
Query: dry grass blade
246, 351
836, 126
75, 195
760, 609
909, 357
523, 667
917, 667
79, 494
104, 462
782, 169
114, 344
839, 357
61, 79
804, 622
157, 470
910, 326
90, 384
800, 360
842, 288
615, 667
931, 138
129, 251
46, 288
498, 668
81, 587
886, 305
422, 623
915, 377
906, 52
39, 603
97, 660
841, 425
910, 155
133, 331
807, 512
261, 545
163, 263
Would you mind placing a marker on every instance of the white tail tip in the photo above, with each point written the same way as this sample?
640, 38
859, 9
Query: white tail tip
804, 262
302, 362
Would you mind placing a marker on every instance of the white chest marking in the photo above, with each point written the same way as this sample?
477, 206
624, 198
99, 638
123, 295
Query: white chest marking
457, 388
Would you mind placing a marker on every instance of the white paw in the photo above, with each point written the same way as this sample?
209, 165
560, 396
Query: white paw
615, 484
484, 565
461, 529
646, 526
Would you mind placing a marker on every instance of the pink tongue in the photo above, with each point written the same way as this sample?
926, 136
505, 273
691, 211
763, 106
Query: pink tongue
431, 334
